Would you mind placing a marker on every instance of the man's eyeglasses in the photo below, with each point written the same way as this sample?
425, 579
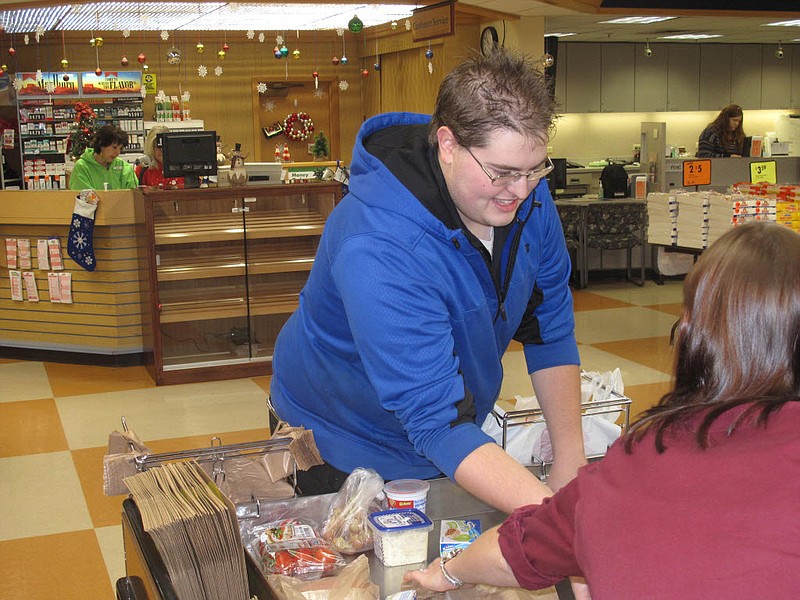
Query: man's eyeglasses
512, 178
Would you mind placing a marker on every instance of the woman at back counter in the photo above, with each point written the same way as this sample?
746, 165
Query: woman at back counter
724, 136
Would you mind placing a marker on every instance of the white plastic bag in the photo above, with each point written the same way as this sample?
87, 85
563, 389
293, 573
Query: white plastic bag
520, 439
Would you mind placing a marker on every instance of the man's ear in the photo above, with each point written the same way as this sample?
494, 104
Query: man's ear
447, 144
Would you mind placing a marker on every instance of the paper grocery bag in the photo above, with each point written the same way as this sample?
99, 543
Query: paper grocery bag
119, 461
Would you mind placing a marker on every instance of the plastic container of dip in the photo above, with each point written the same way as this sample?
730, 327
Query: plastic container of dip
400, 536
407, 493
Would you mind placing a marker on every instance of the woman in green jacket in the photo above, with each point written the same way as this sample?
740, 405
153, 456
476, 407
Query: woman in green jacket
100, 168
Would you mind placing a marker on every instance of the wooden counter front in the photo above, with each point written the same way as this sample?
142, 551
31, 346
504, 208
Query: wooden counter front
104, 321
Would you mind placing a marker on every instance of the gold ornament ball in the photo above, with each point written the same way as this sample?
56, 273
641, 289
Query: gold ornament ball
200, 47
221, 54
296, 53
96, 42
64, 63
145, 67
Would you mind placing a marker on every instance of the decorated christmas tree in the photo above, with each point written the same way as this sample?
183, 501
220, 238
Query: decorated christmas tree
82, 132
321, 149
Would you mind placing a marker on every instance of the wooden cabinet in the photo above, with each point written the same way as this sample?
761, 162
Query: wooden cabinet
583, 78
650, 79
225, 269
683, 76
617, 78
715, 76
746, 76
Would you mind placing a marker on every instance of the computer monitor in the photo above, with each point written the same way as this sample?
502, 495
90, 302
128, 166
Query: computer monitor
189, 154
557, 180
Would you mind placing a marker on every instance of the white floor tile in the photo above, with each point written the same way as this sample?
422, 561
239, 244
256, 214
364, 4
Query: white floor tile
651, 293
110, 540
613, 324
23, 381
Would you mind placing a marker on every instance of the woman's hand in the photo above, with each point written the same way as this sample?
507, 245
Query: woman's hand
430, 578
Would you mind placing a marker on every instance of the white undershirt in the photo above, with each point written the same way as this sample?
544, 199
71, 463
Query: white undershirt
489, 244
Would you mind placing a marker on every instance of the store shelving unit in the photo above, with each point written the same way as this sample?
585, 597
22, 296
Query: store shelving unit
226, 266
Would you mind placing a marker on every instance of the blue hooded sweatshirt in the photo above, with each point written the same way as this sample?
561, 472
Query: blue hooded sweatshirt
393, 357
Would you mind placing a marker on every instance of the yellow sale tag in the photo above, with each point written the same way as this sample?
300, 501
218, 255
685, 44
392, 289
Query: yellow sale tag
763, 172
696, 172
150, 83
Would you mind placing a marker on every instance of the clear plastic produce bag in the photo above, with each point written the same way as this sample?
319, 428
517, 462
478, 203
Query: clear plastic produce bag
346, 524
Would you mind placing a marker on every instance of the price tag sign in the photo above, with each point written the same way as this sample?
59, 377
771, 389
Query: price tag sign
696, 172
763, 172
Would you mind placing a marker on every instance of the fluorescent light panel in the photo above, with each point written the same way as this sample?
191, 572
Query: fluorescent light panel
204, 16
689, 36
560, 35
638, 20
792, 23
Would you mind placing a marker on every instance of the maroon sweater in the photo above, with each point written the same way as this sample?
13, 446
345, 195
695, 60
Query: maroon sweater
689, 523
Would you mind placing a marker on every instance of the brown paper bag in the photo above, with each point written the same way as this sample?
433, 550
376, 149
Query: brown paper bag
118, 463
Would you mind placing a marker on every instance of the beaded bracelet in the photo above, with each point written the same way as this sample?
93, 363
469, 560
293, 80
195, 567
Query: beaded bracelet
454, 581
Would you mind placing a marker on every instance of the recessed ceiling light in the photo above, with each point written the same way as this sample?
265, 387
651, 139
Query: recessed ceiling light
792, 23
690, 36
560, 35
638, 20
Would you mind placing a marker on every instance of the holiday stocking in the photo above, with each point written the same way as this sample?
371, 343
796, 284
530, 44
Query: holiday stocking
79, 244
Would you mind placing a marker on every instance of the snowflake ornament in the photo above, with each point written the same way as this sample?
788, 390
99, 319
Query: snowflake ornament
79, 239
17, 84
38, 74
343, 85
26, 39
268, 105
39, 32
50, 87
430, 67
408, 25
261, 37
202, 71
339, 31
261, 87
279, 40
250, 34
126, 33
165, 35
318, 93
218, 70
186, 96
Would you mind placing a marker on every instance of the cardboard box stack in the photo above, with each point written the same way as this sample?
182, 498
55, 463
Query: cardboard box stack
662, 215
693, 219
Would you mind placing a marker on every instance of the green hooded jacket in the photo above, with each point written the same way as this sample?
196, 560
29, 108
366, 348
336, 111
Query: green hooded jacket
89, 174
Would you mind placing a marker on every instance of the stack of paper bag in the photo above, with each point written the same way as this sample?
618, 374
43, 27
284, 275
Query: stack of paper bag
662, 216
194, 528
693, 219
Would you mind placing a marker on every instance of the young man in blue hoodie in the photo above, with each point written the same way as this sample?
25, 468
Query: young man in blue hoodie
447, 247
99, 167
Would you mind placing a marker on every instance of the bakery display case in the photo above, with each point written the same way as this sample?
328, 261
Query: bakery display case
225, 269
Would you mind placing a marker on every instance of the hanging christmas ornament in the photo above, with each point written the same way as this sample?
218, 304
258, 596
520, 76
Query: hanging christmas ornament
141, 58
393, 25
174, 56
221, 54
226, 47
145, 67
343, 85
261, 37
365, 73
355, 24
202, 71
344, 60
217, 70
296, 54
2, 70
12, 51
429, 54
165, 35
124, 62
98, 71
284, 51
200, 48
65, 77
250, 34
335, 60
276, 52
377, 66
315, 74
64, 63
261, 87
96, 42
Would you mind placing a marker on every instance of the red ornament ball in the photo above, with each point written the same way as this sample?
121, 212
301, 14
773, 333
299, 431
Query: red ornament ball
124, 62
141, 58
98, 71
365, 73
226, 47
12, 51
315, 74
2, 72
65, 77
335, 60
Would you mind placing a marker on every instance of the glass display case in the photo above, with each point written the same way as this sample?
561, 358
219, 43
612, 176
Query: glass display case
226, 266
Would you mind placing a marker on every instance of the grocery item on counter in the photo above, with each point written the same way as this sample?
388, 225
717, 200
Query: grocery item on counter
346, 525
400, 536
457, 534
407, 493
293, 547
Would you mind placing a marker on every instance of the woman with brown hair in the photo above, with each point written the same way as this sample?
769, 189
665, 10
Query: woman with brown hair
701, 497
724, 136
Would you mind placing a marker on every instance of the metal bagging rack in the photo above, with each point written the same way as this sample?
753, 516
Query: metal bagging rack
516, 418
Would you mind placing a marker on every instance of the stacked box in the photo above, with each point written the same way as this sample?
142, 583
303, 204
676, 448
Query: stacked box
662, 216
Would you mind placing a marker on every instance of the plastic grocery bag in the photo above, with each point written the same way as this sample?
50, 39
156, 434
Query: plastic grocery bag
351, 583
520, 439
346, 525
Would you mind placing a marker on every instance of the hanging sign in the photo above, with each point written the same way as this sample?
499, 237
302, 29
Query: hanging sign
696, 172
149, 82
118, 83
434, 21
60, 83
764, 172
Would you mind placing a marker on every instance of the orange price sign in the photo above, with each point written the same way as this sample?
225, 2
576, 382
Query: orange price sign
696, 172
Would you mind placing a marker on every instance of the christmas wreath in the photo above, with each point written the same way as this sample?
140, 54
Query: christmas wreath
298, 126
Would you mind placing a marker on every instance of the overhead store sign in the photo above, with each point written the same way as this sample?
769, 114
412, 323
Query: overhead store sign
696, 172
435, 21
117, 83
45, 84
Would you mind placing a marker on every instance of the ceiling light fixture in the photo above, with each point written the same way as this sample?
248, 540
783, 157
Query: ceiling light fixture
638, 20
647, 51
792, 23
690, 36
779, 51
